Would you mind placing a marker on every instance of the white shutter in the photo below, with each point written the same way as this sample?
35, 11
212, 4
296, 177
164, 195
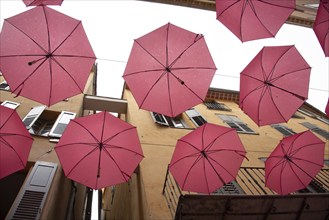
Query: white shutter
159, 118
61, 123
33, 115
10, 104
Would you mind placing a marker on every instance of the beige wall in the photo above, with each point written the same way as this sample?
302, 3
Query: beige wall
158, 144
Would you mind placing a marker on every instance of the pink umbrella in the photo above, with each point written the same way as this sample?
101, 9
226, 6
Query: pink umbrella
327, 108
254, 19
45, 55
294, 162
169, 70
15, 142
274, 85
321, 26
99, 150
207, 158
42, 2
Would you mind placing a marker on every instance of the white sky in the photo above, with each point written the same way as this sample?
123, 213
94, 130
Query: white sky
113, 25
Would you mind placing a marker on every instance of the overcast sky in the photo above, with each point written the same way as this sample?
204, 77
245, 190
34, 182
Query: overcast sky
112, 27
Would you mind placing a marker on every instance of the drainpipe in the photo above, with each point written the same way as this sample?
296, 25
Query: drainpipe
70, 207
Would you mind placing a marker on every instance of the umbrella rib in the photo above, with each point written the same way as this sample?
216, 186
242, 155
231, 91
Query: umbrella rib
150, 54
227, 8
219, 176
169, 96
284, 164
305, 160
85, 156
190, 169
115, 135
85, 128
5, 122
276, 62
77, 143
298, 175
270, 92
9, 146
281, 161
121, 171
27, 36
13, 134
182, 158
304, 146
47, 25
122, 148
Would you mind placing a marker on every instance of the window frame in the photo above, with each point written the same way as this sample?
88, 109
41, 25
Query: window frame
58, 121
281, 128
192, 114
7, 88
10, 103
168, 121
213, 105
235, 123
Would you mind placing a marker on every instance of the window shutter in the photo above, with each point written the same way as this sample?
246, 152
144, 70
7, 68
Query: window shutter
195, 116
30, 200
246, 128
61, 123
159, 118
32, 116
10, 104
4, 86
283, 130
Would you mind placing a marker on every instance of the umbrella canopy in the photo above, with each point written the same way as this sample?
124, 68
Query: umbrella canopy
207, 158
254, 19
42, 2
45, 55
15, 142
99, 150
274, 85
327, 108
321, 26
169, 70
294, 162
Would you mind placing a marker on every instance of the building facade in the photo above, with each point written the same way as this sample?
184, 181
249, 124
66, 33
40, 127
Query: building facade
41, 190
152, 192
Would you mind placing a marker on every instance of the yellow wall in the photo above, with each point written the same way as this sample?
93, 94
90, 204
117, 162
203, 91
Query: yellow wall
158, 143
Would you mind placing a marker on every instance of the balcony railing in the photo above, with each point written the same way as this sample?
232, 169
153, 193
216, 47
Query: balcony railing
250, 182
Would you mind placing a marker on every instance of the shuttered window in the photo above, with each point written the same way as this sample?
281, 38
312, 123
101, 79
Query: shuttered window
283, 130
61, 123
176, 122
216, 106
236, 123
32, 116
195, 117
316, 129
31, 198
4, 86
10, 104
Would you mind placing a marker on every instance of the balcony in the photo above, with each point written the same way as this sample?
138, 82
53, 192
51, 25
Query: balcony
247, 197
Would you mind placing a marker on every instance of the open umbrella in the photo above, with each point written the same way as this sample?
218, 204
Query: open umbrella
169, 70
207, 158
254, 19
99, 150
327, 108
42, 2
45, 55
294, 162
321, 26
274, 85
15, 142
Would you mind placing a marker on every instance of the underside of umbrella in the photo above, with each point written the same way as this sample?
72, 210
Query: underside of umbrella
274, 85
48, 60
169, 70
254, 19
42, 2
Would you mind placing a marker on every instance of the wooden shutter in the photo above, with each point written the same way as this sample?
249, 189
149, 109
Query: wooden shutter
32, 116
61, 123
31, 198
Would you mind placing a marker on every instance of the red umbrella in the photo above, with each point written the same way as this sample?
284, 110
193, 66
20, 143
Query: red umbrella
99, 150
294, 162
169, 70
45, 55
274, 85
42, 2
254, 19
15, 142
207, 158
321, 26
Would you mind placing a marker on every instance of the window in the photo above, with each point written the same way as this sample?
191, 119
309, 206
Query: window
216, 106
313, 115
10, 104
230, 188
176, 122
236, 123
195, 116
297, 115
4, 86
262, 159
283, 130
47, 123
316, 129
